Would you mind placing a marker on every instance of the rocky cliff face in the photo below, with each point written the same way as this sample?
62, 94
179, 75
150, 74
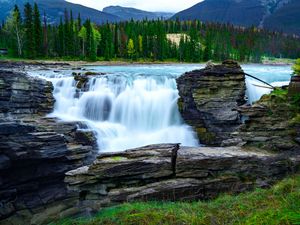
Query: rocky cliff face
21, 95
35, 152
209, 98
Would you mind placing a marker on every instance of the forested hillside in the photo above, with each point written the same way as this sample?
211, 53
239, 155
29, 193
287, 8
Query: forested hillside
278, 15
25, 35
55, 9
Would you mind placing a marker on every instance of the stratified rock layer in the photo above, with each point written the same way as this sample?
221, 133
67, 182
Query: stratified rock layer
21, 95
272, 123
171, 173
35, 152
209, 98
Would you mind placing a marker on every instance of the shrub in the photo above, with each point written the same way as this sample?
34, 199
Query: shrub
296, 67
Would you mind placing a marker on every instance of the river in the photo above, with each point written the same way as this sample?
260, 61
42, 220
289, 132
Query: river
133, 106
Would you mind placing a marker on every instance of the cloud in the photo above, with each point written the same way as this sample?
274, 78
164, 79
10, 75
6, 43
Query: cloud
152, 5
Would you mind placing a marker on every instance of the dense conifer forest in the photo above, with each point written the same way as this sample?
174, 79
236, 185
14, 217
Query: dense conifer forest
28, 35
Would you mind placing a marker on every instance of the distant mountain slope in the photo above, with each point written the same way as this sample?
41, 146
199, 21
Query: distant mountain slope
273, 14
244, 12
126, 13
55, 9
286, 19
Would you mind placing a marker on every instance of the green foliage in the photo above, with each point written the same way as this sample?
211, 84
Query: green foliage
13, 28
279, 205
296, 100
296, 67
130, 48
29, 32
142, 40
37, 31
280, 92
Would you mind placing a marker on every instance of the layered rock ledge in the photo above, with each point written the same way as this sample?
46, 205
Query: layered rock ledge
172, 173
209, 98
36, 152
271, 123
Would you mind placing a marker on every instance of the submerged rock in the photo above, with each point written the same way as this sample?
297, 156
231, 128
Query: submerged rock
209, 98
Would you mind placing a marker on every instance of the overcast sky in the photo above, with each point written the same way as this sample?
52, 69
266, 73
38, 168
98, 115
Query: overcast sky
150, 5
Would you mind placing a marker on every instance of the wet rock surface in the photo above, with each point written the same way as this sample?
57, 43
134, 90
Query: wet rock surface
209, 98
35, 152
21, 95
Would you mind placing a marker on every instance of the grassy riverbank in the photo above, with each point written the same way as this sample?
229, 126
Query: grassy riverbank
278, 205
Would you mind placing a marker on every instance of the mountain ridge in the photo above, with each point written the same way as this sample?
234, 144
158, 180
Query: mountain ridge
127, 13
260, 13
55, 9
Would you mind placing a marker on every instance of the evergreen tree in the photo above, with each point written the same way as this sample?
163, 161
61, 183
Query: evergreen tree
29, 32
45, 36
37, 31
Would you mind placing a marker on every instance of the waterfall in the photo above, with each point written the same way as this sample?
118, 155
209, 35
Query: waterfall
124, 111
133, 106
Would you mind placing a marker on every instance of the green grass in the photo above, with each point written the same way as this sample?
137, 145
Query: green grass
280, 92
278, 205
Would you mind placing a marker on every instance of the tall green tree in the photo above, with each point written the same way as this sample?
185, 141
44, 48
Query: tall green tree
130, 48
37, 31
15, 29
29, 32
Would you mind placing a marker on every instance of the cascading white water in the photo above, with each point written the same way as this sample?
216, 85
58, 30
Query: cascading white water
277, 76
125, 112
135, 106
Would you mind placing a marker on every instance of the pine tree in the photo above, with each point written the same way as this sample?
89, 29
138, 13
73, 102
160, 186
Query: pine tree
45, 35
37, 31
29, 38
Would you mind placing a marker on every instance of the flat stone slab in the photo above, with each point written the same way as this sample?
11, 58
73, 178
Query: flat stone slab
173, 173
148, 162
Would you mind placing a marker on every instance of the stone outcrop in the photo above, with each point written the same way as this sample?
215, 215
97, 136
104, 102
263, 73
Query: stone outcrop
209, 98
171, 173
36, 152
21, 95
272, 123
